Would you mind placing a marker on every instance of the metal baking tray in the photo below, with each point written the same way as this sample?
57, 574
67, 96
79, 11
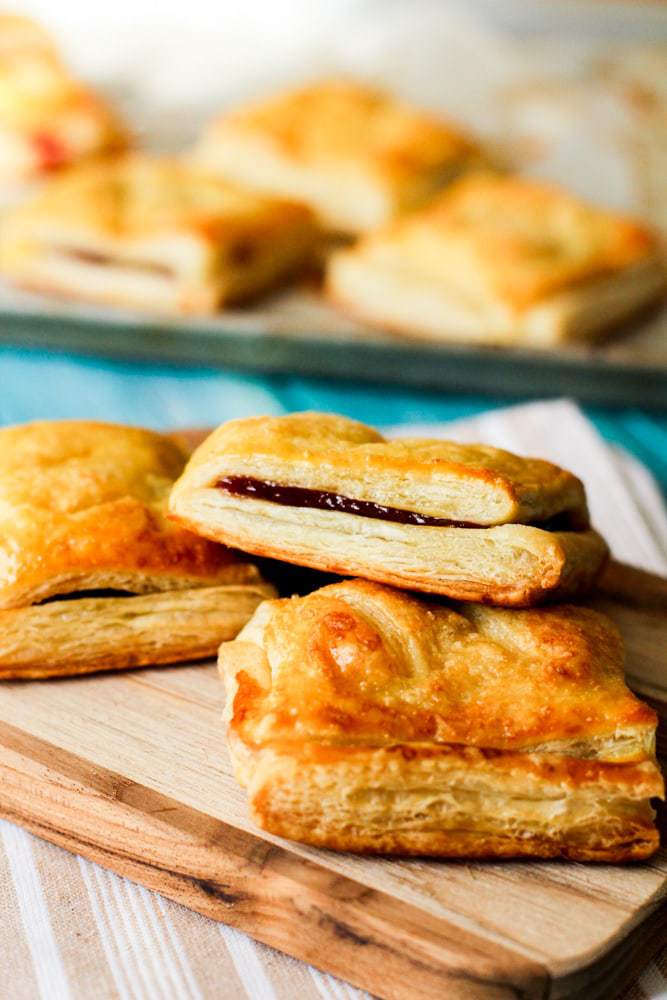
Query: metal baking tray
297, 333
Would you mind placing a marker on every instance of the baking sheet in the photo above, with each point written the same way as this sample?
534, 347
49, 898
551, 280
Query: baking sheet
296, 332
569, 94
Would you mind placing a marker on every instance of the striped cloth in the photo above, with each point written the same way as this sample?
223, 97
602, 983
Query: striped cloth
73, 931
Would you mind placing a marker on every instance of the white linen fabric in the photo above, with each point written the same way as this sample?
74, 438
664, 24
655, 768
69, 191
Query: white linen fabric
73, 931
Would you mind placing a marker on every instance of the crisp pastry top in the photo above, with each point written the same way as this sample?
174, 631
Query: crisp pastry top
512, 240
360, 664
321, 451
83, 506
139, 196
340, 123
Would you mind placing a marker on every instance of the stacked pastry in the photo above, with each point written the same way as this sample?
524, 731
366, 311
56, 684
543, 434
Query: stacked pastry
361, 716
372, 718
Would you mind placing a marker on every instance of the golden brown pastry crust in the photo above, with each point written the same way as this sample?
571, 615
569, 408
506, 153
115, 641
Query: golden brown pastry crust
153, 233
453, 803
361, 718
506, 562
358, 663
323, 451
500, 259
83, 506
354, 154
83, 516
527, 240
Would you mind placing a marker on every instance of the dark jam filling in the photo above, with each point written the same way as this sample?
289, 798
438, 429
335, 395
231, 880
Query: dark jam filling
299, 496
96, 259
79, 595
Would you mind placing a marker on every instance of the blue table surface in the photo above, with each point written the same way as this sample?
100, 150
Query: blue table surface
39, 385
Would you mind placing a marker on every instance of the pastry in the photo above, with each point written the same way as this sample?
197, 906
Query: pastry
152, 233
500, 260
93, 575
468, 521
361, 718
354, 154
47, 119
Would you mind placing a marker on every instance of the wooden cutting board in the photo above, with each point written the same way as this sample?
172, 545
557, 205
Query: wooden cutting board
130, 770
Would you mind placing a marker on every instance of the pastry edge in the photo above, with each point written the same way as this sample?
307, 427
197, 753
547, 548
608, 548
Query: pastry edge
267, 773
167, 627
568, 317
118, 284
563, 576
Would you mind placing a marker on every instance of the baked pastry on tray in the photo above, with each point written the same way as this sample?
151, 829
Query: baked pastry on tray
355, 155
361, 718
47, 119
152, 233
468, 521
93, 576
500, 260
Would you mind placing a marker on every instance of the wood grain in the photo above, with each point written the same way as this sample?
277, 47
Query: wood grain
130, 770
637, 602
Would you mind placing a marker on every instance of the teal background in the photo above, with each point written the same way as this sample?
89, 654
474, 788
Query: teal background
37, 385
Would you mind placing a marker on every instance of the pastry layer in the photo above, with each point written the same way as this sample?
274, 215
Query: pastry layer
83, 506
456, 804
361, 718
353, 154
400, 300
86, 634
500, 260
145, 232
508, 562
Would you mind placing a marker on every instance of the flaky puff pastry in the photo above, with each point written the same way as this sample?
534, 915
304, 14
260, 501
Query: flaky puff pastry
500, 259
355, 155
84, 634
363, 719
155, 234
83, 509
47, 118
328, 492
